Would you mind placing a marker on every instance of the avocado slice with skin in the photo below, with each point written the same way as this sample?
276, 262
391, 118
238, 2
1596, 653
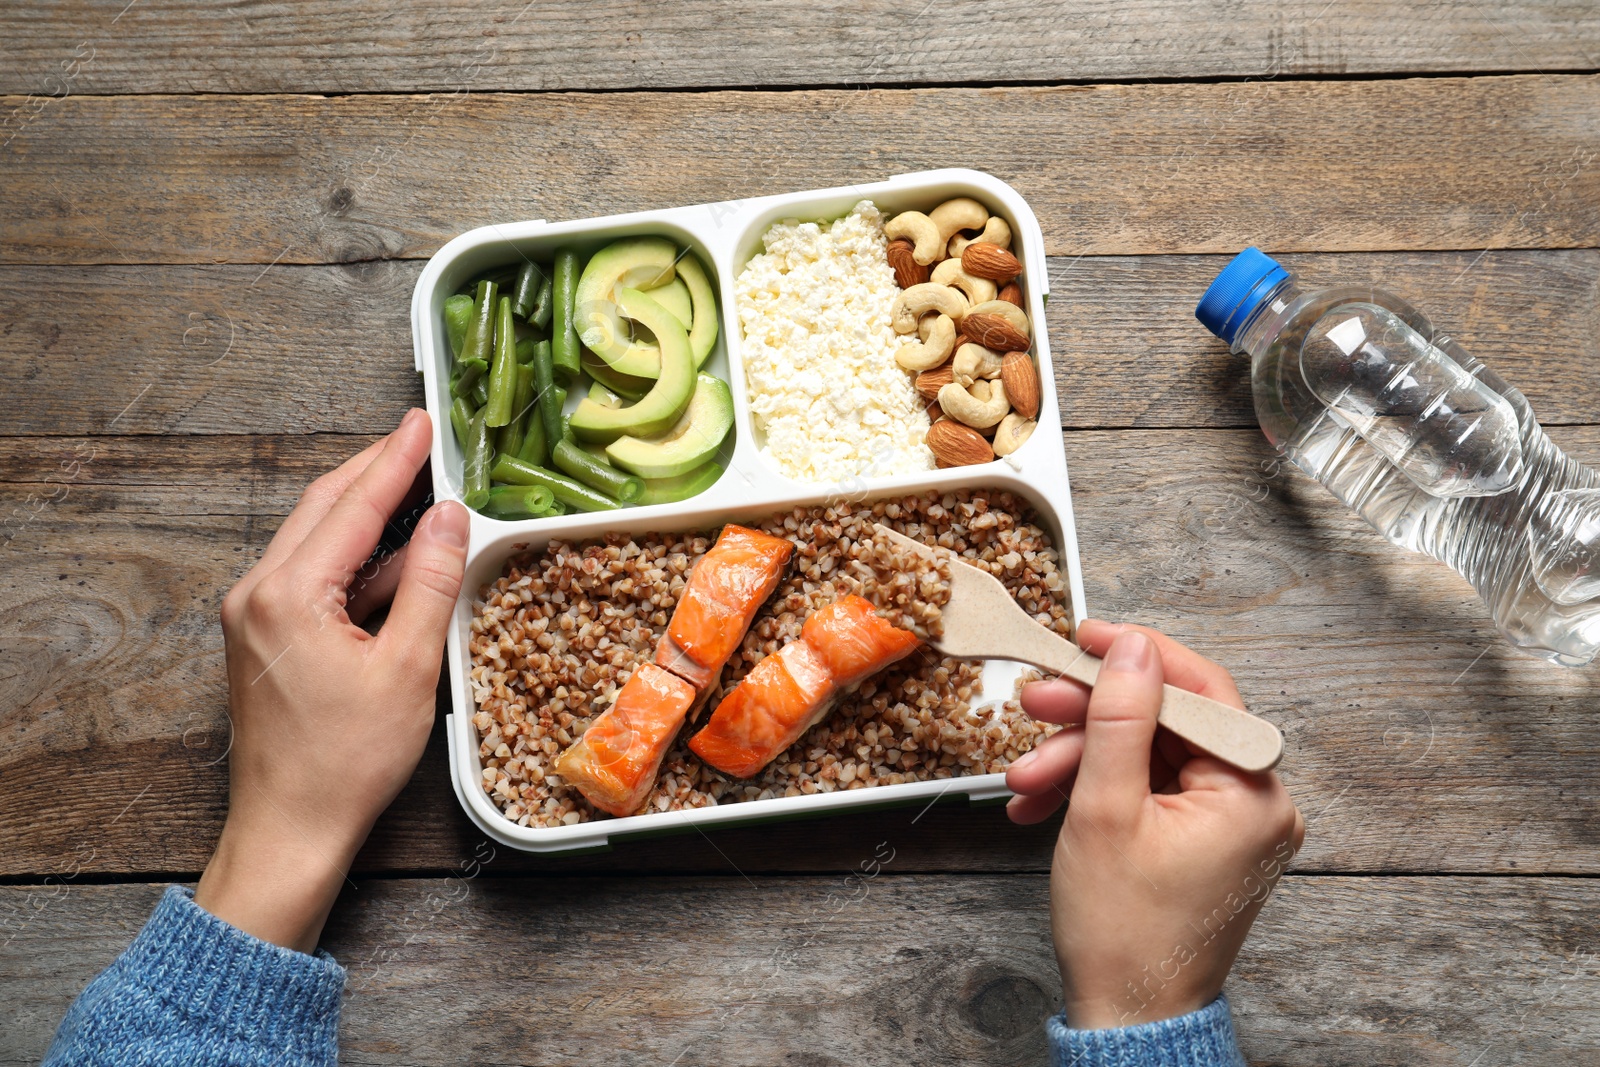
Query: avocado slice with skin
694, 440
703, 331
660, 408
636, 263
684, 486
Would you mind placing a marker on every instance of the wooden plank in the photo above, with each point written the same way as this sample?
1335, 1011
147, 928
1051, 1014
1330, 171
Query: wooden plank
1474, 163
84, 47
112, 660
835, 970
302, 349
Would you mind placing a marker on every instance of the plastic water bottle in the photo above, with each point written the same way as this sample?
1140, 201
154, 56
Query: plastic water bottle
1427, 444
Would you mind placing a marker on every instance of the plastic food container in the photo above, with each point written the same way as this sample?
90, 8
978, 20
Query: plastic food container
727, 235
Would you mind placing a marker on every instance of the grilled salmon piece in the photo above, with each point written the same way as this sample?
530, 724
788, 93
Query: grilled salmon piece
783, 697
789, 692
614, 763
724, 591
855, 641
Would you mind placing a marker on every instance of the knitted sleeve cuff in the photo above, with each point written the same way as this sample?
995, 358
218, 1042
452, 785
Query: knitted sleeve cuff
264, 994
1202, 1038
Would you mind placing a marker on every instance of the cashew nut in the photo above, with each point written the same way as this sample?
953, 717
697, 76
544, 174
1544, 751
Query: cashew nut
927, 239
1006, 310
1013, 433
953, 274
938, 338
995, 232
953, 216
979, 412
974, 362
914, 302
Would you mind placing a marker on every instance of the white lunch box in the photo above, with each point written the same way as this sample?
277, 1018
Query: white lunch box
726, 236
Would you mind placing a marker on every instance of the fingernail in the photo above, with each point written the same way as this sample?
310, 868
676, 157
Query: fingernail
1024, 759
1033, 690
447, 522
411, 416
1132, 651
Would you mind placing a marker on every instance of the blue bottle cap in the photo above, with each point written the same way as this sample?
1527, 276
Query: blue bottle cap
1238, 290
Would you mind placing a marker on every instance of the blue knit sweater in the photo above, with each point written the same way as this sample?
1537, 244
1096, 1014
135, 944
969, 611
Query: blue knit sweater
192, 991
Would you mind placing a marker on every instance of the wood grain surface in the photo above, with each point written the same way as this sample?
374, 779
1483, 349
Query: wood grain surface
257, 47
1436, 163
870, 970
120, 548
211, 221
229, 349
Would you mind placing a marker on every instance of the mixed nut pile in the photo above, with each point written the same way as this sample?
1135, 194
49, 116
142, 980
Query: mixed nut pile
962, 301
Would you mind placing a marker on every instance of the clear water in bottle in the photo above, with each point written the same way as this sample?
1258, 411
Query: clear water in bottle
1431, 447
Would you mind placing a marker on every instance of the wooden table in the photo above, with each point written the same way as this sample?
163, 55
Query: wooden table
211, 219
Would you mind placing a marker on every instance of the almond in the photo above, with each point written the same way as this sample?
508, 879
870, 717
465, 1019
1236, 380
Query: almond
907, 271
994, 332
1011, 294
1021, 380
929, 382
989, 261
956, 445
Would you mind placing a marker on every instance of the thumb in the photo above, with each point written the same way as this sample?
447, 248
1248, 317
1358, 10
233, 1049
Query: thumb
429, 581
1120, 728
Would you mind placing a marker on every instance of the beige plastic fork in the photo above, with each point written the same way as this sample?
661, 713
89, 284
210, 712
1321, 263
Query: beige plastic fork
982, 621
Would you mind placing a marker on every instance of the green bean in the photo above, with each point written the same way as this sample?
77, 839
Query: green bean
542, 304
529, 278
468, 374
503, 374
511, 435
595, 473
535, 446
519, 502
525, 348
544, 392
460, 418
501, 276
480, 391
572, 493
566, 351
479, 343
475, 471
457, 319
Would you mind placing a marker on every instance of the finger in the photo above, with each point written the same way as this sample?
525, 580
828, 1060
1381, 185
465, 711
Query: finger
1051, 763
1057, 700
1183, 666
1299, 829
374, 585
415, 631
1025, 811
338, 545
1174, 752
1120, 730
313, 504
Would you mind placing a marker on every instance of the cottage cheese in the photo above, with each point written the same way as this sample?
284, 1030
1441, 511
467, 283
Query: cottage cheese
819, 353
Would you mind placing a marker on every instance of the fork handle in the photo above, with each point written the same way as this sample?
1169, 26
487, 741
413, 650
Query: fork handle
1221, 730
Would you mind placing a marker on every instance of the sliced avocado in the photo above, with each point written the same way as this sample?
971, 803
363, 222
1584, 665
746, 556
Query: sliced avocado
684, 486
674, 296
703, 332
695, 439
661, 407
603, 396
624, 385
633, 263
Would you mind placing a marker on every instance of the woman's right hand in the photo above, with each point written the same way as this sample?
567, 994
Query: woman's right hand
1166, 855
